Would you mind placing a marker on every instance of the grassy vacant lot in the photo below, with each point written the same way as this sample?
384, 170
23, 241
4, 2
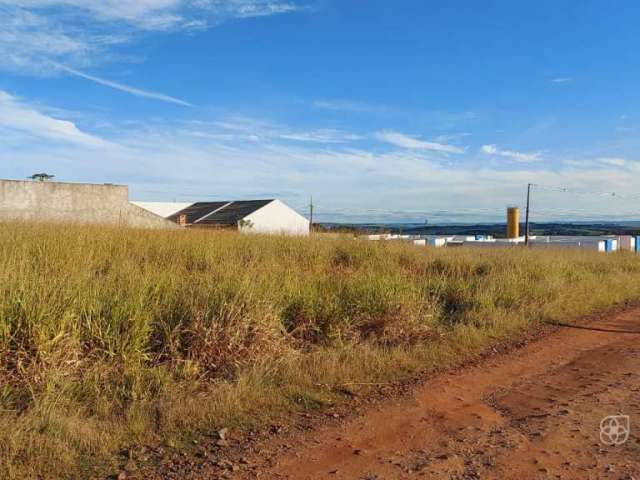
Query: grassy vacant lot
110, 337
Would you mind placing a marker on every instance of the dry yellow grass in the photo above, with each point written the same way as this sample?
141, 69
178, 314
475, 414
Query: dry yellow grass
110, 337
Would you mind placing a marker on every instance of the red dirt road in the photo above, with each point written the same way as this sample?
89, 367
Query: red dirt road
533, 413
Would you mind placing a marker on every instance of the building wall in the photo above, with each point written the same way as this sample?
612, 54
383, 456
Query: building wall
626, 242
163, 209
597, 245
74, 203
276, 218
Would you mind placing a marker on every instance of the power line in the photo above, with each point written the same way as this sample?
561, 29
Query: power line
573, 191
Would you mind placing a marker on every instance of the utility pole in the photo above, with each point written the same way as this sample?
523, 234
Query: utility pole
526, 224
311, 214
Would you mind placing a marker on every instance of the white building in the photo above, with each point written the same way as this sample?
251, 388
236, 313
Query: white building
248, 216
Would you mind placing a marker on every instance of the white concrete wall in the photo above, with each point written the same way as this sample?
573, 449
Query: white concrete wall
276, 218
588, 244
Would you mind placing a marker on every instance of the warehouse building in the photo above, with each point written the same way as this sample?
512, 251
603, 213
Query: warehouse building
248, 216
109, 204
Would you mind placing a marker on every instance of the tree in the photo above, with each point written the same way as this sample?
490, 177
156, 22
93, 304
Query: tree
245, 224
41, 177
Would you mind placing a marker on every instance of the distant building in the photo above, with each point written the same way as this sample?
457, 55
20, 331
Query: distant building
249, 216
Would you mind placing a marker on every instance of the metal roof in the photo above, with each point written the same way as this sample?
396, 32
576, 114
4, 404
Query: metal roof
219, 213
232, 213
197, 211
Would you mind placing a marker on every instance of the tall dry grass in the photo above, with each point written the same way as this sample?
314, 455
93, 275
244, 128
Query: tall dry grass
111, 336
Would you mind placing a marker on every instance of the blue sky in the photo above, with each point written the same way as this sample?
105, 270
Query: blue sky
381, 110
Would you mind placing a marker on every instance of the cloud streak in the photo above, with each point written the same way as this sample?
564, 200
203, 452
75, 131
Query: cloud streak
405, 141
125, 88
250, 129
494, 150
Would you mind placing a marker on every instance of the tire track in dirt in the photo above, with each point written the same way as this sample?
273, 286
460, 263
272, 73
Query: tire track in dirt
532, 413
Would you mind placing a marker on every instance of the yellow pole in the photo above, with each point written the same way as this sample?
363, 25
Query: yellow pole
513, 222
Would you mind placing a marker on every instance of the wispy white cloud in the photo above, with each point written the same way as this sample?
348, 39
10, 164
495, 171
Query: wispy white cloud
406, 141
562, 80
255, 129
133, 11
162, 160
262, 9
17, 116
614, 161
447, 137
159, 14
603, 163
78, 33
124, 88
511, 154
321, 136
27, 39
190, 160
579, 162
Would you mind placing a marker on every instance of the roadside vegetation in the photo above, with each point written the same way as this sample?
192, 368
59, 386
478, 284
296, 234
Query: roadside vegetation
111, 337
